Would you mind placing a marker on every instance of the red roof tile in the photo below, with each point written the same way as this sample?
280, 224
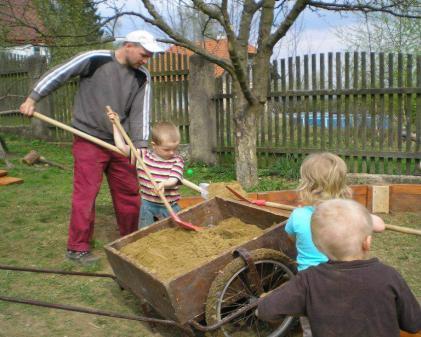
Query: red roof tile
215, 47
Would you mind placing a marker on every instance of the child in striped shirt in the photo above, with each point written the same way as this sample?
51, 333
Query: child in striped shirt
165, 166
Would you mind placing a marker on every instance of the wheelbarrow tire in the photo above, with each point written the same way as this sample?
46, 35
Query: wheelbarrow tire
226, 278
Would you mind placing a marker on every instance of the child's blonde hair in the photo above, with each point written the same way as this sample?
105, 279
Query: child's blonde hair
165, 131
323, 176
339, 228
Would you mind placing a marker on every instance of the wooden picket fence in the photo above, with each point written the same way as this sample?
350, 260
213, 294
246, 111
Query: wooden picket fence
364, 107
13, 88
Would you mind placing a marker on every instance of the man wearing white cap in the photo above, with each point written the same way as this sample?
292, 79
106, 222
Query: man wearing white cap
106, 78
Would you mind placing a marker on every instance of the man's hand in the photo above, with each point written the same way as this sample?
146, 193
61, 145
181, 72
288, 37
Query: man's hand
28, 107
113, 116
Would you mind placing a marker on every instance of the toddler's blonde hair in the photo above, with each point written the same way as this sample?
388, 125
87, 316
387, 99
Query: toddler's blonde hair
323, 177
165, 131
339, 228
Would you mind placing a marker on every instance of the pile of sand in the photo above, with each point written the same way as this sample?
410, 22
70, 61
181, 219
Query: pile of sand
175, 251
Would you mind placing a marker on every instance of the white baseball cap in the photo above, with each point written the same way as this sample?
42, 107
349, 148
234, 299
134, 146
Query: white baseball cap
146, 39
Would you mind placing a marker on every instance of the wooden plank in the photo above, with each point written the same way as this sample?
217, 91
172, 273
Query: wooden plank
297, 106
380, 199
176, 118
322, 102
339, 125
355, 111
363, 132
369, 199
382, 105
284, 103
286, 197
276, 104
314, 97
408, 110
6, 180
180, 79
400, 110
228, 112
359, 193
186, 98
217, 111
390, 101
373, 105
291, 101
347, 98
405, 198
330, 97
418, 117
306, 101
3, 173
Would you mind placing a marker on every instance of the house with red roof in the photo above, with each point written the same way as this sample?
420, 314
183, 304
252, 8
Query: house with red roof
21, 27
217, 47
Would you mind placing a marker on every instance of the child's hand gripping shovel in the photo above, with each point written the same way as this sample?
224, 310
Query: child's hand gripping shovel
260, 202
173, 215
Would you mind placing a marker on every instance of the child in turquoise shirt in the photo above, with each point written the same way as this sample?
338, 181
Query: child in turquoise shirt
323, 177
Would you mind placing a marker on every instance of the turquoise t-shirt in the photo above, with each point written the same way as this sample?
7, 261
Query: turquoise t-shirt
298, 226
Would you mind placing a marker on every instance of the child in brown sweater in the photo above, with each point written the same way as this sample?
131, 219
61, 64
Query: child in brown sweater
352, 294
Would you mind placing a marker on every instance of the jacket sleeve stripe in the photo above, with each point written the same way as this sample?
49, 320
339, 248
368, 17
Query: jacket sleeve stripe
66, 67
146, 104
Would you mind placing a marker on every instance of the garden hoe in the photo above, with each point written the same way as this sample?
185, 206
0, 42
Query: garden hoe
260, 202
173, 215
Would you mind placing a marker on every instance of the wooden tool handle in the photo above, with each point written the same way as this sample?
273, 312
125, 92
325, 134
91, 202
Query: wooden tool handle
191, 185
141, 162
281, 206
401, 229
77, 132
98, 142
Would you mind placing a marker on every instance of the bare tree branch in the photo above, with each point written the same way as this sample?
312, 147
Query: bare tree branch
296, 10
367, 8
237, 52
159, 22
208, 10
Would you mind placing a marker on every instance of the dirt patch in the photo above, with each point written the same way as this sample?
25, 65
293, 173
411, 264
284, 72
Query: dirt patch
175, 251
219, 190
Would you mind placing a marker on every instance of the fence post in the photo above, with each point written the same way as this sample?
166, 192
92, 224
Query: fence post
37, 65
202, 113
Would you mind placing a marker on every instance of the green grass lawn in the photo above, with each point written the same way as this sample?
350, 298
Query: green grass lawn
33, 225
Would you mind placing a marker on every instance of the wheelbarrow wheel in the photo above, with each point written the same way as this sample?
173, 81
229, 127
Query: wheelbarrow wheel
231, 290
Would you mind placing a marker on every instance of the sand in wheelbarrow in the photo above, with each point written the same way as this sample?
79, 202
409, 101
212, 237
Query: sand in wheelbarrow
175, 251
219, 190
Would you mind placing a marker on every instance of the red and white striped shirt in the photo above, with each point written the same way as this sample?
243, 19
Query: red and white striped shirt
161, 169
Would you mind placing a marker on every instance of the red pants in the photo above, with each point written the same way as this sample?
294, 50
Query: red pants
90, 162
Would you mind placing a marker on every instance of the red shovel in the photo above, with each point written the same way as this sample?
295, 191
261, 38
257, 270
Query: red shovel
174, 216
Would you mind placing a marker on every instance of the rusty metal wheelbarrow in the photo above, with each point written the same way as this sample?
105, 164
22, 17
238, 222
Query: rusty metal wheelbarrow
224, 291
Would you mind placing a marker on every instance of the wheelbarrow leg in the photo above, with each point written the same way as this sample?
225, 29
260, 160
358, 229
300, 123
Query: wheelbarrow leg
146, 308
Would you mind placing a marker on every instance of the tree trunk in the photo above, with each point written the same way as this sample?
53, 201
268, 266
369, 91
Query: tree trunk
245, 148
245, 139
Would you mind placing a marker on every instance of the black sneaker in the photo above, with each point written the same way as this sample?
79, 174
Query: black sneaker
82, 257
